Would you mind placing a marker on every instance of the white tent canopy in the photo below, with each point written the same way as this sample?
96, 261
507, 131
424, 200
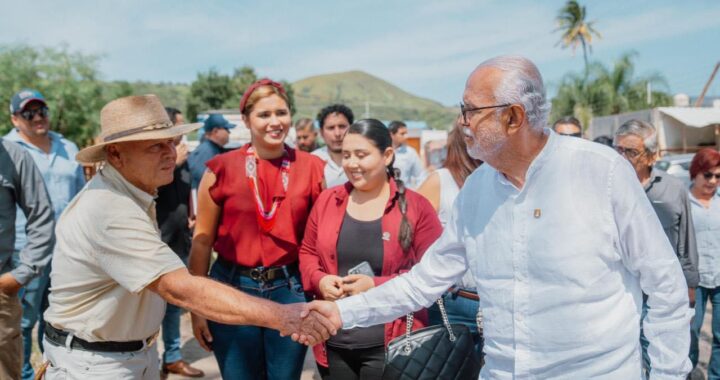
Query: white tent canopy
693, 117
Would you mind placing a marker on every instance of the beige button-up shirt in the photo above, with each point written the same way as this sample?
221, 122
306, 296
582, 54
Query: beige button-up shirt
108, 250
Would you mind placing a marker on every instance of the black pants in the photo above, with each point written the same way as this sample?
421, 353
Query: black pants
355, 364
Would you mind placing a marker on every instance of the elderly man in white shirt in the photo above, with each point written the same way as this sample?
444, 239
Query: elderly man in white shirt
561, 240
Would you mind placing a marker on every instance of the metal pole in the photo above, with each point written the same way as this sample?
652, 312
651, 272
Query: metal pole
700, 99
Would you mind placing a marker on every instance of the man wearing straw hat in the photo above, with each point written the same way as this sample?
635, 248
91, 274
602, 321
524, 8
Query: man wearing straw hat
111, 272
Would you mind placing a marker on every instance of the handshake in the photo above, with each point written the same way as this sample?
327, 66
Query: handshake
310, 323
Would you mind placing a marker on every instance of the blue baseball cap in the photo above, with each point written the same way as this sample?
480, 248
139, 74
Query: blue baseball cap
23, 97
216, 120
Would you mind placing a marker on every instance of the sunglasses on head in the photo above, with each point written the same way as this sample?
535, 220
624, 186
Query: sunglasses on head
708, 176
30, 114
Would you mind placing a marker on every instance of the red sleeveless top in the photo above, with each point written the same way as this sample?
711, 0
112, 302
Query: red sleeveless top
239, 238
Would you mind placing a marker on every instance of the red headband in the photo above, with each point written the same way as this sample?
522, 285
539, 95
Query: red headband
254, 86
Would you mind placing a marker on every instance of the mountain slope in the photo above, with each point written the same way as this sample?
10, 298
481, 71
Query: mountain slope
363, 92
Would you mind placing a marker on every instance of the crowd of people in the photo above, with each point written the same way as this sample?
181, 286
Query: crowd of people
565, 258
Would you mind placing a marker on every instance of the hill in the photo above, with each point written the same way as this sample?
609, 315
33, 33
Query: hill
364, 92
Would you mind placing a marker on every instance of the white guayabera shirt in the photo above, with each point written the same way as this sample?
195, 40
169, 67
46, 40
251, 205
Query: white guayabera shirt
560, 265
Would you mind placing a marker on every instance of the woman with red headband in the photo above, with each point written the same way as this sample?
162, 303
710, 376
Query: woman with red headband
253, 204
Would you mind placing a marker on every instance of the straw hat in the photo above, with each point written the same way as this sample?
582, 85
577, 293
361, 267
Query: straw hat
132, 118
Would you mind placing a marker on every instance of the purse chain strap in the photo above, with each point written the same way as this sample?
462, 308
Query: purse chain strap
409, 318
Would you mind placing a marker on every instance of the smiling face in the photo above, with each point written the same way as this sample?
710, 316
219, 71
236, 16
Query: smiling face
269, 121
146, 164
364, 164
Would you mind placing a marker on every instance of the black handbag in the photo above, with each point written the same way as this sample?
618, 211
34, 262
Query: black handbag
443, 352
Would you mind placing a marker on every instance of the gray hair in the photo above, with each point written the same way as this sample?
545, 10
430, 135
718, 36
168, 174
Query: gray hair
522, 83
640, 129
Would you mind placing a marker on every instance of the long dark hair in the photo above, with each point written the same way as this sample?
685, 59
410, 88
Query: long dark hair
375, 131
458, 161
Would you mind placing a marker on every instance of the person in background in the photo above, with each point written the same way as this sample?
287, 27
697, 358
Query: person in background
637, 141
306, 135
412, 170
334, 122
568, 126
441, 188
216, 135
705, 203
54, 156
22, 186
253, 204
604, 140
173, 216
372, 222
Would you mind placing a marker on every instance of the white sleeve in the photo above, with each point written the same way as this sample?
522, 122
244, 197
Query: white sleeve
443, 265
647, 253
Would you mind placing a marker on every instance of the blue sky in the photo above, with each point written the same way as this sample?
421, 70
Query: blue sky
427, 48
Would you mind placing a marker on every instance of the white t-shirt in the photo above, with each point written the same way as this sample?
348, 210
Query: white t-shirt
108, 250
334, 173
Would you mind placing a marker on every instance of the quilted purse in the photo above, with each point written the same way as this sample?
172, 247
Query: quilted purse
443, 352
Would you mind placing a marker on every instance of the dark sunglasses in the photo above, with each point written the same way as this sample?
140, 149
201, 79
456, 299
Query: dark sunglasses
708, 176
576, 134
30, 114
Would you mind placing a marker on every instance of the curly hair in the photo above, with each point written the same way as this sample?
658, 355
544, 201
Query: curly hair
335, 108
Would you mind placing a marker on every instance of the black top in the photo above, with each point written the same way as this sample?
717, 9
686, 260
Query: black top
172, 206
359, 241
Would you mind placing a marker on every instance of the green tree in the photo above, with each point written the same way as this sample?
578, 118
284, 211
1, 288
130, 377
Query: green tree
608, 91
68, 80
210, 90
575, 30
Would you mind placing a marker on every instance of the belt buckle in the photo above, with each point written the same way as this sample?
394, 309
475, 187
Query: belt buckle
258, 274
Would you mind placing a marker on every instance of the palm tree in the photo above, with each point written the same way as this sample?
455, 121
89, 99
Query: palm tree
575, 30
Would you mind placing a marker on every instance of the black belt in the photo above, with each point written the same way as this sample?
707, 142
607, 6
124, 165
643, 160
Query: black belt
260, 273
59, 337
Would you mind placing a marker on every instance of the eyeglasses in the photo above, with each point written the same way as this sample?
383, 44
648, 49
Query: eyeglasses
708, 176
464, 110
628, 152
576, 134
30, 114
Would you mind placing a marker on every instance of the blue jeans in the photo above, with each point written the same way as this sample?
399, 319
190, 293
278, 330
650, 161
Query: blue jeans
459, 310
701, 297
171, 334
249, 352
34, 301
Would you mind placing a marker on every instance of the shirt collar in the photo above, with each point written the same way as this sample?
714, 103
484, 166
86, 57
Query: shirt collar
14, 136
537, 162
118, 182
697, 202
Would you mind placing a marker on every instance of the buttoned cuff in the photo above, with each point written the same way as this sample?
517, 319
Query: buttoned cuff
23, 274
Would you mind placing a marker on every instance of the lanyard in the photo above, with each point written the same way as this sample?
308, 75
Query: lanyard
266, 219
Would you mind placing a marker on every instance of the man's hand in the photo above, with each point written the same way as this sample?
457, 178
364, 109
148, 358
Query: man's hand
691, 297
357, 283
9, 285
331, 287
182, 153
298, 320
201, 332
328, 310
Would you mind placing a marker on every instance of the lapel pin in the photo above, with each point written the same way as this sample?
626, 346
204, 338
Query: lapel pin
386, 236
538, 213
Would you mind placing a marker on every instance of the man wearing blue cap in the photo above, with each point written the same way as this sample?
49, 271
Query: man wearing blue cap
63, 176
217, 134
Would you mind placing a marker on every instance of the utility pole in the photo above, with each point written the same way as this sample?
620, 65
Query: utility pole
701, 98
649, 93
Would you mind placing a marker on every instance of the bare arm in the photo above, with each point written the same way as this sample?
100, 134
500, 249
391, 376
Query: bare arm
205, 227
224, 304
430, 189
